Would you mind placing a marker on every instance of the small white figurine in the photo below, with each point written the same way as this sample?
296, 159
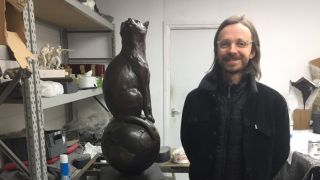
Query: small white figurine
42, 58
55, 59
50, 57
90, 4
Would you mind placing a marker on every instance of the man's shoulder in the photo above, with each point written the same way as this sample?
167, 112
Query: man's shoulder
197, 92
268, 91
266, 88
198, 95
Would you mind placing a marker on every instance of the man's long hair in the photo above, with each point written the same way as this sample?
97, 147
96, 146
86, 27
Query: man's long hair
254, 64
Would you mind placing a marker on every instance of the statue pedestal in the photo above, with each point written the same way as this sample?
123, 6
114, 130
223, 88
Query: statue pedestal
152, 173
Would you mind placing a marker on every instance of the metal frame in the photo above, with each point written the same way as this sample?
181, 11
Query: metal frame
93, 60
14, 158
33, 107
66, 59
32, 104
22, 74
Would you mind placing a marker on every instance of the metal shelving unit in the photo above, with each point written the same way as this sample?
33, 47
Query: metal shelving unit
67, 14
5, 52
67, 98
32, 104
70, 14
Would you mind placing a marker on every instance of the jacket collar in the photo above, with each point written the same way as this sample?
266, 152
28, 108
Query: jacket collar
210, 81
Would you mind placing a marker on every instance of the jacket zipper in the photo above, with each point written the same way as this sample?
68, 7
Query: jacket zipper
227, 129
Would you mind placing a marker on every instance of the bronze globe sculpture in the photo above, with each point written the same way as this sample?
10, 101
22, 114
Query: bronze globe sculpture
130, 142
130, 147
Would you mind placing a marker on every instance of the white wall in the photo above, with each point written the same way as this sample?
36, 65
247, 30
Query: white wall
288, 30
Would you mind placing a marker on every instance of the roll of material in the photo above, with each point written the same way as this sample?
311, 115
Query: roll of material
164, 154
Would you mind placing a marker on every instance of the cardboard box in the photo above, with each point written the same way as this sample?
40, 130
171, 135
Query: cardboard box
12, 30
314, 66
301, 119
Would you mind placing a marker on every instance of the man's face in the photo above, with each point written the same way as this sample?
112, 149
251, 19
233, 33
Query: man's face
234, 48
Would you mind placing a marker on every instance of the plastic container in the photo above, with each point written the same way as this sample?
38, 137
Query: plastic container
64, 167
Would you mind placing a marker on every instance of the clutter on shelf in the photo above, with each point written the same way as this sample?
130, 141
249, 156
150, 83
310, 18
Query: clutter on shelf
306, 91
10, 84
314, 66
50, 57
88, 75
304, 99
50, 88
89, 121
306, 88
87, 81
97, 69
11, 73
93, 6
179, 156
89, 3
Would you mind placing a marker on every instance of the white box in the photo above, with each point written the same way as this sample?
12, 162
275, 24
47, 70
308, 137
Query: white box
52, 73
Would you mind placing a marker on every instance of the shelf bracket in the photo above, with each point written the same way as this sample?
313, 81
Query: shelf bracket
101, 104
4, 148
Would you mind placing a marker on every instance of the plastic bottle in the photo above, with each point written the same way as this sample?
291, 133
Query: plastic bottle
64, 167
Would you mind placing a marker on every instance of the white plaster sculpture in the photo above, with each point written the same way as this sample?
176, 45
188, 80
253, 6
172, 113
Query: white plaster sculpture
50, 57
42, 58
55, 59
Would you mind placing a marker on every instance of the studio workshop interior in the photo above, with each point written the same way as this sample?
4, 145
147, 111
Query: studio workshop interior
159, 90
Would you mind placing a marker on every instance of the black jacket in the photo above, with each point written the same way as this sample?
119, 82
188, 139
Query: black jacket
266, 137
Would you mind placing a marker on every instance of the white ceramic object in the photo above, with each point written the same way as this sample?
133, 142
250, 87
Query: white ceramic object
87, 82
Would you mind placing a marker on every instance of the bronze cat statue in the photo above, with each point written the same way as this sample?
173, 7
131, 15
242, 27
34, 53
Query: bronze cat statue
127, 77
130, 142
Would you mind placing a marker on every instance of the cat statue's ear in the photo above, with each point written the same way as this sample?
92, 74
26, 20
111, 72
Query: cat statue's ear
121, 28
146, 24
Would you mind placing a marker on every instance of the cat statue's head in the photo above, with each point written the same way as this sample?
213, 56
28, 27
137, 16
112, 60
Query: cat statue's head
132, 29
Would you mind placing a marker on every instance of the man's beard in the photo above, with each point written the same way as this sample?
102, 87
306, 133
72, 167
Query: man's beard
230, 57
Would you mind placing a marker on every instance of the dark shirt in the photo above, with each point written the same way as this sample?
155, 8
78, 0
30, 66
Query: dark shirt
229, 162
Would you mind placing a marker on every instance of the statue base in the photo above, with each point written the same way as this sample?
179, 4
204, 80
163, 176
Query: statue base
152, 173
